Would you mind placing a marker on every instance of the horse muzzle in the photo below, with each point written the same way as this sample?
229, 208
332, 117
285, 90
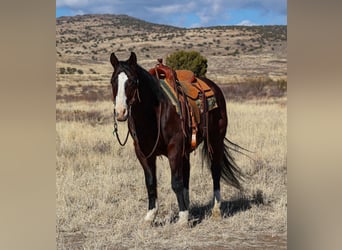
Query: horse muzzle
121, 114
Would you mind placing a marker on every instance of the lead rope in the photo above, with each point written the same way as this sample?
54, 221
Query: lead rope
158, 135
157, 140
115, 132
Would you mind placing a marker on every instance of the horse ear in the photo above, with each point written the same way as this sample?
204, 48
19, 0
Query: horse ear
114, 60
132, 59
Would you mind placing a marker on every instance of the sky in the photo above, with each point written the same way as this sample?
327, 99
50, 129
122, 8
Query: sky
184, 13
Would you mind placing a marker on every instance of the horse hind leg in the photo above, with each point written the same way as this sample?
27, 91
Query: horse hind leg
216, 165
216, 176
216, 211
184, 215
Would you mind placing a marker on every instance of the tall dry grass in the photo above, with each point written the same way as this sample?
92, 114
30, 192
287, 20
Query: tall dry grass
101, 196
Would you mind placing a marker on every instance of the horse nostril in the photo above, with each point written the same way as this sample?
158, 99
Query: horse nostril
121, 114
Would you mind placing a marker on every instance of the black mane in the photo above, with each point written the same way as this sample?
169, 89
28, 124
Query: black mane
152, 82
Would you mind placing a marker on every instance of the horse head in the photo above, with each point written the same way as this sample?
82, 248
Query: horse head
124, 83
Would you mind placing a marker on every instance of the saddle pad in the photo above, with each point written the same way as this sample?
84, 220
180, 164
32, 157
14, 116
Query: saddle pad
171, 94
196, 107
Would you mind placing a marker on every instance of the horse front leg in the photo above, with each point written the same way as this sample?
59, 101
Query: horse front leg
180, 186
149, 166
151, 186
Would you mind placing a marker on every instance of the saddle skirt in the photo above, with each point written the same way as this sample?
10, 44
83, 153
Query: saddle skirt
192, 86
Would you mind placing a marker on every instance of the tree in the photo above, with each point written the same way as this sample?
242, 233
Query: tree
190, 60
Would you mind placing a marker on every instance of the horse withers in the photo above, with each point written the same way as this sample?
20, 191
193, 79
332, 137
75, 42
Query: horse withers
156, 129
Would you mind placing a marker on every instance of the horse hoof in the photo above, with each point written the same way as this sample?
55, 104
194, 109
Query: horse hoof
150, 216
183, 218
216, 212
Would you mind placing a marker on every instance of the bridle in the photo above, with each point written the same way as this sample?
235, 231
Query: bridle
131, 102
134, 99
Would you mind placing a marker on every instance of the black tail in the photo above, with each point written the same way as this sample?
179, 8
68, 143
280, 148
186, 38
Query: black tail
230, 171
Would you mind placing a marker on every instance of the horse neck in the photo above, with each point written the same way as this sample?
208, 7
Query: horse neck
147, 95
143, 111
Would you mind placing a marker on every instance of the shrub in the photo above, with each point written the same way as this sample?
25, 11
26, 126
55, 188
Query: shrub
190, 60
71, 70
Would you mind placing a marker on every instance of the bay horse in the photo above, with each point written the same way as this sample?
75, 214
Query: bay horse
156, 129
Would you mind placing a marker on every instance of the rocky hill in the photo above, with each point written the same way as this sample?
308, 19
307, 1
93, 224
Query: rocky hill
234, 53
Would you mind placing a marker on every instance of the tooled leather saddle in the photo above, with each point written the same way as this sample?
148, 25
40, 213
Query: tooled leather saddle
191, 96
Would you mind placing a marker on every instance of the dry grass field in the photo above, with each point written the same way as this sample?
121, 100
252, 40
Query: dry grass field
101, 197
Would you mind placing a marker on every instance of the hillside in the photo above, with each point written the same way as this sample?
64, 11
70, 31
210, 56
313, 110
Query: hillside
234, 53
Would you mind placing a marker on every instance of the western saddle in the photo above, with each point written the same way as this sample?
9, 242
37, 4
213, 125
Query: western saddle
192, 97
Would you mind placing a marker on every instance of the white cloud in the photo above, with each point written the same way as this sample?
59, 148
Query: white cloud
79, 12
203, 12
246, 23
166, 9
213, 7
172, 8
73, 3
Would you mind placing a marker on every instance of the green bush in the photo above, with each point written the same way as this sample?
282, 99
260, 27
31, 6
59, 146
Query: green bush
190, 60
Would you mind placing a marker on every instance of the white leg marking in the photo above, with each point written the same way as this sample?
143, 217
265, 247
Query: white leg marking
120, 100
216, 212
217, 205
183, 217
151, 214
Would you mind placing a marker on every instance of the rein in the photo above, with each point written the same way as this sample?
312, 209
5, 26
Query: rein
115, 131
158, 135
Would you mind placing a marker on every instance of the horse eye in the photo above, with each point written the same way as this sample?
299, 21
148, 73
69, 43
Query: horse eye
114, 81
